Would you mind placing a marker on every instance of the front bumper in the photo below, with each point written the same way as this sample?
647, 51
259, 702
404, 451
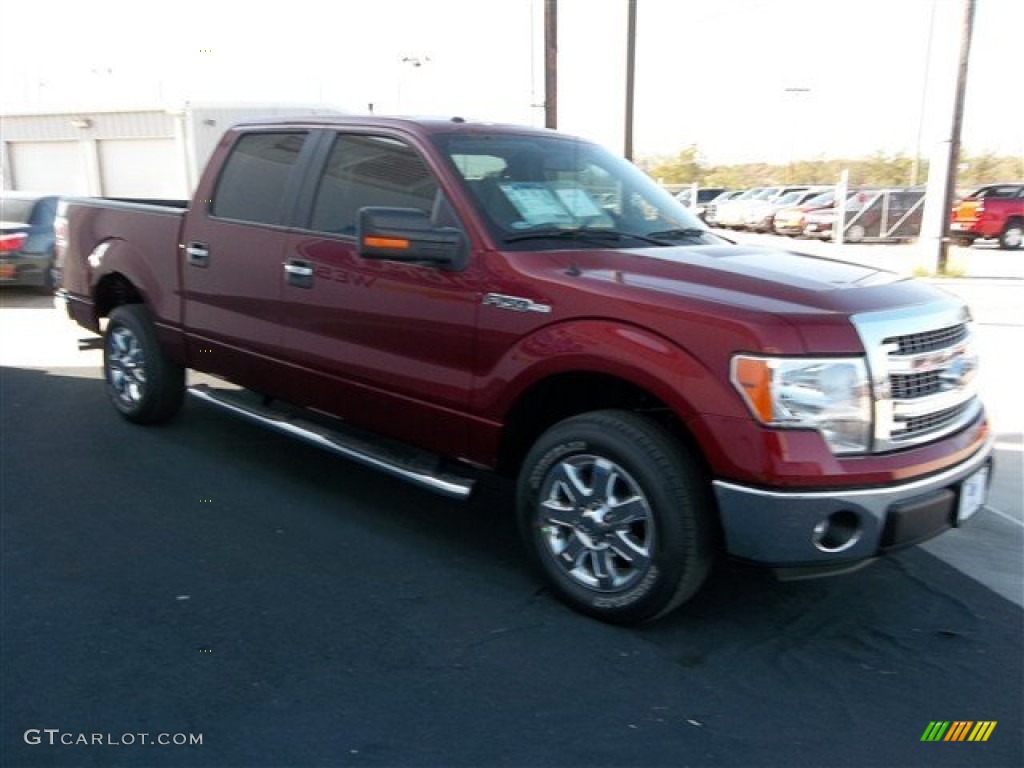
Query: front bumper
827, 529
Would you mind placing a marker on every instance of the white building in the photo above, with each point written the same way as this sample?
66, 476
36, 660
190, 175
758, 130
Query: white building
148, 153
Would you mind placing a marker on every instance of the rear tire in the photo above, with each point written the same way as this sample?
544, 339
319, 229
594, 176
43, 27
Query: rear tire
616, 516
142, 383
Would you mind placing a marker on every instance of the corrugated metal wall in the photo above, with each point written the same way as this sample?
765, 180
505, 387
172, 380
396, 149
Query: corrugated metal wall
35, 148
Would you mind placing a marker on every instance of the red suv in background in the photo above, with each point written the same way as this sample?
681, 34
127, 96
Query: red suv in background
992, 211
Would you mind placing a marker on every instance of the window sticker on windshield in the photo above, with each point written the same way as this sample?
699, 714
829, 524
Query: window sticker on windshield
579, 203
536, 204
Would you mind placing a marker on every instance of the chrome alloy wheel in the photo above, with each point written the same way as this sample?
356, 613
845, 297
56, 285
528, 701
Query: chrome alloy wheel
596, 523
1013, 237
126, 366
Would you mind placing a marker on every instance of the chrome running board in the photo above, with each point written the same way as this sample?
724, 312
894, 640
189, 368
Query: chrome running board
397, 459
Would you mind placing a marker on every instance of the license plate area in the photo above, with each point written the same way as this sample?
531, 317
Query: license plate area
973, 492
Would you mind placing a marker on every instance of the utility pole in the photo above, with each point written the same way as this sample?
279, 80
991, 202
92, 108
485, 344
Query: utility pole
551, 64
630, 77
954, 140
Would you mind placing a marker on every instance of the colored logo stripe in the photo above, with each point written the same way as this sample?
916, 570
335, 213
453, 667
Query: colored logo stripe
958, 730
982, 730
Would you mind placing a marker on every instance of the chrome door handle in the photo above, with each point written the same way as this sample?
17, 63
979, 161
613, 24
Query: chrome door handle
298, 273
197, 254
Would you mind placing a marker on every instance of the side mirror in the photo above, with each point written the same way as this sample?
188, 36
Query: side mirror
408, 234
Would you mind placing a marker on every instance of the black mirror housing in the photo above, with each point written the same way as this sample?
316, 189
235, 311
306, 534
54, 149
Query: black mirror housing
408, 234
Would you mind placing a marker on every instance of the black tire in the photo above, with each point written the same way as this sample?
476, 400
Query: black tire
623, 563
1012, 236
855, 233
142, 383
47, 287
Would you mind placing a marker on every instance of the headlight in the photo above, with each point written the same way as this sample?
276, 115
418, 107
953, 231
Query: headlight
831, 395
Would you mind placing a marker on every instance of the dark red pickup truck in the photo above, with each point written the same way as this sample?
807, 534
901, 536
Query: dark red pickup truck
435, 298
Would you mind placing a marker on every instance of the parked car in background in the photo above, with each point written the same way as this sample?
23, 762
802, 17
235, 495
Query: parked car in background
727, 213
735, 213
818, 224
711, 211
992, 211
759, 215
704, 196
791, 220
27, 239
880, 215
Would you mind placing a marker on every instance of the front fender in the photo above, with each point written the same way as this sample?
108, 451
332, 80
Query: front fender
630, 353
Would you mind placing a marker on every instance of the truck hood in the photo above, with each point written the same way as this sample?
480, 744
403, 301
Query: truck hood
752, 278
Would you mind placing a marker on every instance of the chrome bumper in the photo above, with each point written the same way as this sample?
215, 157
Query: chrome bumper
830, 528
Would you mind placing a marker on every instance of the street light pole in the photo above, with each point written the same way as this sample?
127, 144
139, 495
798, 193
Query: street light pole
954, 140
551, 64
630, 77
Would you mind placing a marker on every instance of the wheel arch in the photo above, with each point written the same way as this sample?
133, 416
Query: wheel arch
563, 395
572, 368
113, 290
121, 273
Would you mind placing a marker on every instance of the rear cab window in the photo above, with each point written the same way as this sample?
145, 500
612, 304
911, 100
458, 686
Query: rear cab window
256, 180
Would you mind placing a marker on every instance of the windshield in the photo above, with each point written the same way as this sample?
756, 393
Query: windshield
533, 187
790, 198
823, 199
1006, 190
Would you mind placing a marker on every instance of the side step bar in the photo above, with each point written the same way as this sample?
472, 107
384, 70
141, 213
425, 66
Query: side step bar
409, 464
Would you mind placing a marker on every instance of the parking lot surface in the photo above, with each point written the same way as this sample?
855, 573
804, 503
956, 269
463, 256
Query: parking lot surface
291, 609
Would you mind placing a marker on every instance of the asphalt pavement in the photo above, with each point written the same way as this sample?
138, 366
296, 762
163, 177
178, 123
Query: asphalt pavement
207, 581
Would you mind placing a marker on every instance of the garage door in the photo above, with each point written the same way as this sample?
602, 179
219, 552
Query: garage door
141, 168
55, 167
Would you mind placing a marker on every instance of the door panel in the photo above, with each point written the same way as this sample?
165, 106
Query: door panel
231, 261
390, 345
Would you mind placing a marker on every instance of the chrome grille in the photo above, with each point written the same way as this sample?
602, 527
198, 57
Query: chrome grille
910, 385
929, 422
929, 341
923, 372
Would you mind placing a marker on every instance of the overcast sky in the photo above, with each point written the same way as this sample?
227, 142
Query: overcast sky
740, 79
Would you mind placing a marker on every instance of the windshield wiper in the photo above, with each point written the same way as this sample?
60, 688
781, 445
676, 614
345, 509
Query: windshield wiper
680, 232
583, 233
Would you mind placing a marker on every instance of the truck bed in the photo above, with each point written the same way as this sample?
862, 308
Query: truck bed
133, 238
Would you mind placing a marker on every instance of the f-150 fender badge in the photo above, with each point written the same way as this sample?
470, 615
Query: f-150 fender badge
515, 303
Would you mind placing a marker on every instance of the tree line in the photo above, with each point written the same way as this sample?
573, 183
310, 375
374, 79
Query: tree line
876, 170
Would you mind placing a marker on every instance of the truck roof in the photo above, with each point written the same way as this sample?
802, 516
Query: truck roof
420, 125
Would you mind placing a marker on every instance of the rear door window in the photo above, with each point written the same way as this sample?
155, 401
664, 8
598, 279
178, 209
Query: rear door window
254, 183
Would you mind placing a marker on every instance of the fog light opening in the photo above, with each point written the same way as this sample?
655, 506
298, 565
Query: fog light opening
838, 532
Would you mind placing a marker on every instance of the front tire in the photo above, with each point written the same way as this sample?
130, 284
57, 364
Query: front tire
616, 516
855, 233
142, 383
1013, 235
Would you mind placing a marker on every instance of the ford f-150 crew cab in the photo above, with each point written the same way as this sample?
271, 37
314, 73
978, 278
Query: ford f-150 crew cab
438, 298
